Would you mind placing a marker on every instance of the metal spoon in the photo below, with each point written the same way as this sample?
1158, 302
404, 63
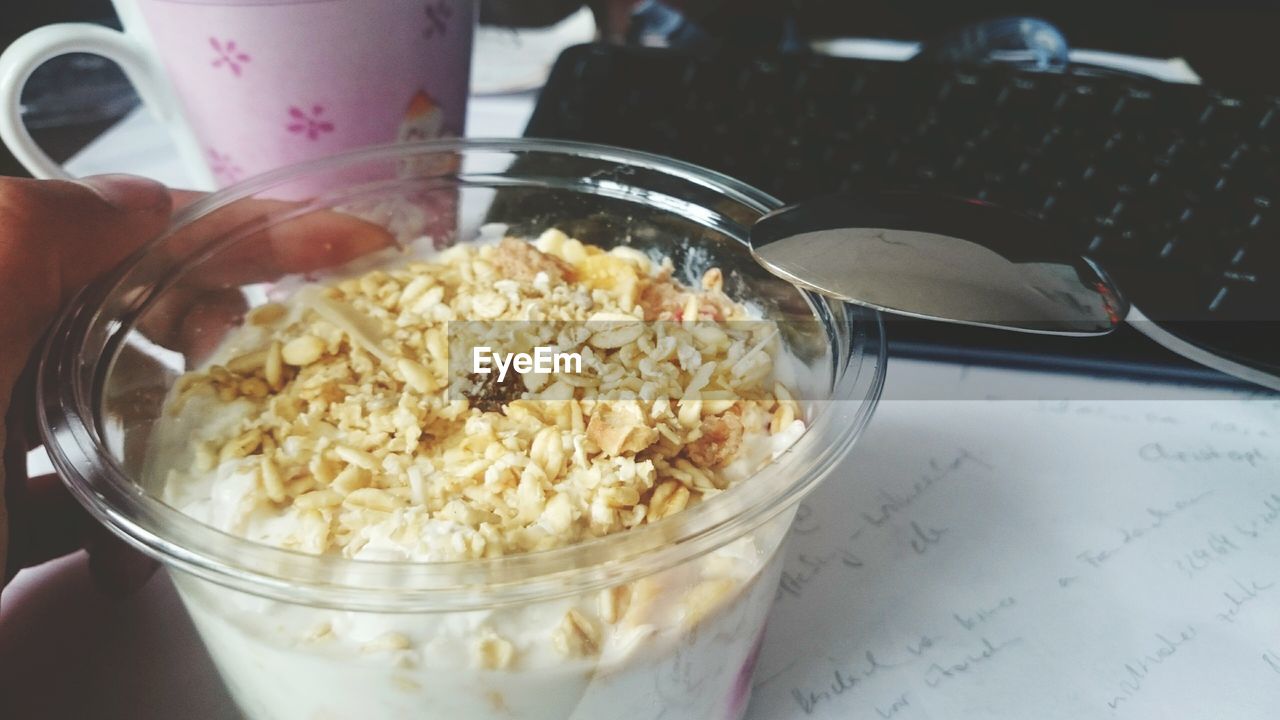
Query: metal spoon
962, 261
939, 258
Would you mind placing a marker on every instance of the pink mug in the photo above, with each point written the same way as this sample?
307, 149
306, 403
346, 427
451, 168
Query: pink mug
246, 86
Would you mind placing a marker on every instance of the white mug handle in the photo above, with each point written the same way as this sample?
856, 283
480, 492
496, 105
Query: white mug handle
28, 52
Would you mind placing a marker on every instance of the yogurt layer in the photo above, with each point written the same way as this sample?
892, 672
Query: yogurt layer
334, 424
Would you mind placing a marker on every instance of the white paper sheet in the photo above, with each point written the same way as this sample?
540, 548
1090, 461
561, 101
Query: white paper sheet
1021, 559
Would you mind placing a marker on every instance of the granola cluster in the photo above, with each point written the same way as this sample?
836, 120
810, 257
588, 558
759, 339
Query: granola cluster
349, 434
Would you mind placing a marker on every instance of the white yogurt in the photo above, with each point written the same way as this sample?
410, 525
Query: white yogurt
295, 662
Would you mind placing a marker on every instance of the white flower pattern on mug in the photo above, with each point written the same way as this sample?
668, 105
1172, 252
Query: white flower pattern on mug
312, 125
230, 55
439, 13
224, 168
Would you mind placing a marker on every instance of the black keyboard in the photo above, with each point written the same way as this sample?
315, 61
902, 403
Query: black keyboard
1174, 189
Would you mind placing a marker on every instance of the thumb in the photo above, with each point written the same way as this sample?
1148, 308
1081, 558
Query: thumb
116, 216
57, 236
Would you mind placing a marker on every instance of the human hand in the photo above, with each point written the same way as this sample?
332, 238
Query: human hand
55, 238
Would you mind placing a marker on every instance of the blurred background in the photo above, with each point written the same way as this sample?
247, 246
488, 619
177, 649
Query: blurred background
1230, 44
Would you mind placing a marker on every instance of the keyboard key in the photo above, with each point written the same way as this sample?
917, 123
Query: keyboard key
1180, 107
1135, 108
1259, 255
1246, 302
1225, 116
1267, 130
1190, 250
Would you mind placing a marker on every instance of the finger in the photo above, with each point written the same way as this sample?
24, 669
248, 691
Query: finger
12, 493
135, 211
263, 240
47, 522
266, 252
182, 198
24, 433
192, 319
117, 569
193, 315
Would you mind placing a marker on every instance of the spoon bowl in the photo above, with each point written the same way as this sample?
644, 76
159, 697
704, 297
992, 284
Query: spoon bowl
939, 258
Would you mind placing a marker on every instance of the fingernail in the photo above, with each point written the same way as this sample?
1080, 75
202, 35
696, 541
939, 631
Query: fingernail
128, 192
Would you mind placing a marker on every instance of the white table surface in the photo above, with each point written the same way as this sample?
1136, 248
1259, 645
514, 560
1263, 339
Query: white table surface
69, 652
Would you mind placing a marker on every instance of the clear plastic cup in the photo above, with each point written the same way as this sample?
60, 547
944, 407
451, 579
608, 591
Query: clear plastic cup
313, 636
